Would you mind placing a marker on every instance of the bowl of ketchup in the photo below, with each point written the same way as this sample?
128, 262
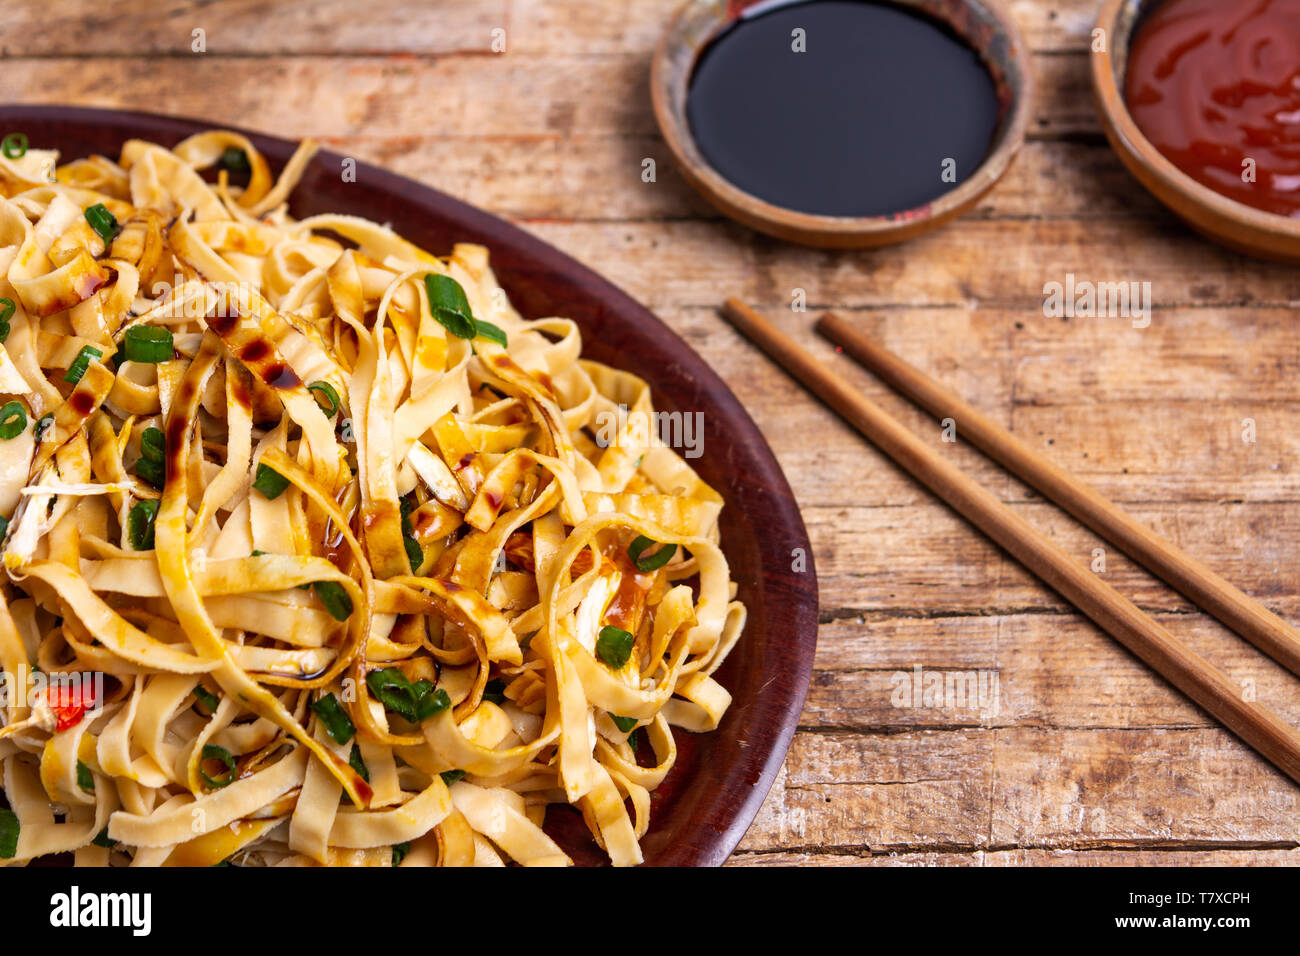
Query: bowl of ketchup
1201, 100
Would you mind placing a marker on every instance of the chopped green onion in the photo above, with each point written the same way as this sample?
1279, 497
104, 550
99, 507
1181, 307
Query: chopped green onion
14, 145
614, 646
4, 526
101, 839
151, 471
81, 363
270, 482
335, 599
399, 852
357, 764
8, 834
207, 699
7, 309
150, 465
153, 444
492, 333
42, 423
429, 700
13, 421
638, 547
449, 306
85, 779
416, 702
147, 344
451, 776
335, 719
329, 394
624, 724
102, 221
139, 524
495, 691
414, 553
213, 752
235, 160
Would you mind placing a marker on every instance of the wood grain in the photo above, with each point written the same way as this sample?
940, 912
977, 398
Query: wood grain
552, 134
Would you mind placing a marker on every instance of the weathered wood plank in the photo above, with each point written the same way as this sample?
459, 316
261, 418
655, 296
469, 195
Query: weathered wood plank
598, 177
543, 28
1016, 670
1017, 858
1185, 439
249, 27
872, 558
1002, 264
1034, 788
407, 95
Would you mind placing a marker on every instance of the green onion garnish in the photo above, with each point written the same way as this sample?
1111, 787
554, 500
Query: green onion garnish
614, 646
153, 444
8, 834
13, 421
213, 752
139, 524
357, 764
624, 724
449, 306
85, 779
101, 839
335, 599
150, 465
414, 553
81, 363
42, 424
493, 333
235, 160
147, 344
495, 691
270, 482
7, 309
335, 719
328, 393
416, 702
102, 221
207, 699
14, 145
638, 547
4, 526
399, 852
451, 776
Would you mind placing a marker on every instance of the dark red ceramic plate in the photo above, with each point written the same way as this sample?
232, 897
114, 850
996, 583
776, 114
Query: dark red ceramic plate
706, 804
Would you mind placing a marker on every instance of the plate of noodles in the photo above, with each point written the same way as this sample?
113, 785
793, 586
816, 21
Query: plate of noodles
346, 524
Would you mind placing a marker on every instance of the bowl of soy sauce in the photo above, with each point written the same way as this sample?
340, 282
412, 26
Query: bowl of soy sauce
842, 123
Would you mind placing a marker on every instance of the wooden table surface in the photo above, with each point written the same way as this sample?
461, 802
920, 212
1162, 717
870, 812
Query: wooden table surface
1089, 758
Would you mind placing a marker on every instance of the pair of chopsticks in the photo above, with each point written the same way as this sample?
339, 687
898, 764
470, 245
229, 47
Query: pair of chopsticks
1257, 725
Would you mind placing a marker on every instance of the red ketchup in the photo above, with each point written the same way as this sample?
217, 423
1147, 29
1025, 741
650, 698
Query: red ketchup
1215, 86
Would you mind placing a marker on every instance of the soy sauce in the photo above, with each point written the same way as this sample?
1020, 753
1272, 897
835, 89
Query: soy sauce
842, 107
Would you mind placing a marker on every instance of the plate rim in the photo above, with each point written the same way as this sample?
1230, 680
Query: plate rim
760, 768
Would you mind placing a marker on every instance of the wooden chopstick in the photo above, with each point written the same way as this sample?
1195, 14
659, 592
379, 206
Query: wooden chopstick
1258, 726
1202, 586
